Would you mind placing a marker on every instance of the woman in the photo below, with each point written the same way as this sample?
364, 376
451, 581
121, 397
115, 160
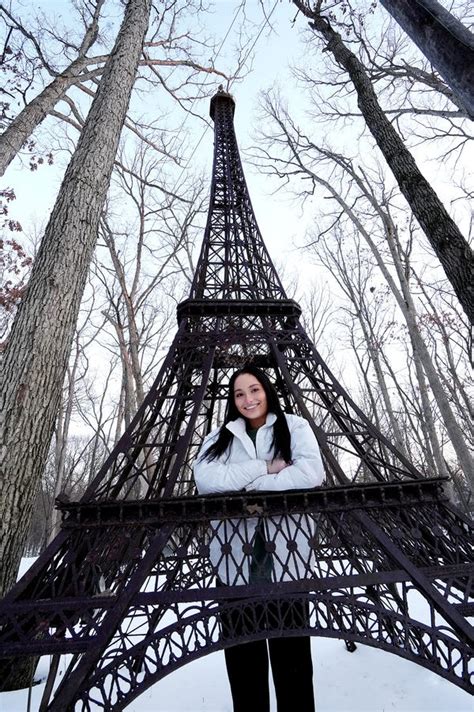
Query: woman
260, 448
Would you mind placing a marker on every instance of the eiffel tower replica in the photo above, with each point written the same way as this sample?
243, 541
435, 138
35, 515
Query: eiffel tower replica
127, 589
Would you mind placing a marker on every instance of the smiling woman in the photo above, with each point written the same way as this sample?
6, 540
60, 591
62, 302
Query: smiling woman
260, 448
250, 399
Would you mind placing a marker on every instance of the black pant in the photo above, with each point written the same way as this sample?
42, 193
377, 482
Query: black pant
290, 659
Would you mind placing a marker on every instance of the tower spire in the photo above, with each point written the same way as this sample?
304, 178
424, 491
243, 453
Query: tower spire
234, 261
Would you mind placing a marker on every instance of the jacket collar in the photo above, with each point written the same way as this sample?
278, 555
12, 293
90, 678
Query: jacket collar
238, 428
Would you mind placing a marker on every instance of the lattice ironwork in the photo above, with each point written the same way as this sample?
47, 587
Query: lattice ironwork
128, 589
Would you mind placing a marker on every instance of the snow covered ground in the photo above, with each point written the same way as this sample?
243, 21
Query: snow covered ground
368, 680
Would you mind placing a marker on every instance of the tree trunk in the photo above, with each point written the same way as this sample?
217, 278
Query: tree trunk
426, 415
454, 383
419, 347
413, 422
453, 251
349, 278
130, 405
405, 302
132, 353
37, 352
374, 353
445, 42
33, 114
407, 307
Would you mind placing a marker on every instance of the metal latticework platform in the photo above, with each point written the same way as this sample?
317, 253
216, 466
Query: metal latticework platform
128, 590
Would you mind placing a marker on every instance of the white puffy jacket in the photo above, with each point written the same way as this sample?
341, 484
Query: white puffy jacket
244, 468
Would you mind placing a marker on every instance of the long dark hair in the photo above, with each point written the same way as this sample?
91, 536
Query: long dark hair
281, 442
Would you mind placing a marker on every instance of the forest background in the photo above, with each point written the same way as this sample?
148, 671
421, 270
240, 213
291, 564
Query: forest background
375, 300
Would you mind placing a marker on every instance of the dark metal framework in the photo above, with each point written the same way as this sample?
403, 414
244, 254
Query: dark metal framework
128, 589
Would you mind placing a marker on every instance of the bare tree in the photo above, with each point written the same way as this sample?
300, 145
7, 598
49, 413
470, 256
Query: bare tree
443, 39
77, 457
23, 125
413, 95
60, 456
128, 309
450, 246
291, 154
448, 337
354, 274
319, 313
170, 47
144, 268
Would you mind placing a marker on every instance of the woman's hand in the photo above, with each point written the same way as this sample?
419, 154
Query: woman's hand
276, 466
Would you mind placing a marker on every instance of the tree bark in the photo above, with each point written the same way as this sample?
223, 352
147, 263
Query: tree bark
453, 251
36, 110
37, 352
445, 42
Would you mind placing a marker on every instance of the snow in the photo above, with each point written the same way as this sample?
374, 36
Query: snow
368, 680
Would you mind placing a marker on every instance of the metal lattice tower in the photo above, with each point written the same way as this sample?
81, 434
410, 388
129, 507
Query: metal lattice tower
127, 588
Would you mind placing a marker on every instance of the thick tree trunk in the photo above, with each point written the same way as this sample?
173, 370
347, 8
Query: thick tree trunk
445, 42
33, 114
453, 251
37, 352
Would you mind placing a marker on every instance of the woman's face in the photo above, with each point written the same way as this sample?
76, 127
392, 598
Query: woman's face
250, 399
